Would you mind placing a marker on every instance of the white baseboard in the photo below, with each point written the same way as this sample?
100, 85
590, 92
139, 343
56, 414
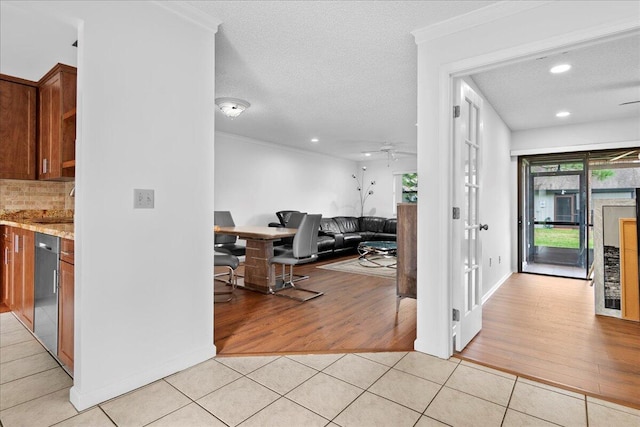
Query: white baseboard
495, 287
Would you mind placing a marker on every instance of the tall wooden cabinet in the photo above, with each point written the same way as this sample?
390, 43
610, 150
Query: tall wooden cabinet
57, 124
66, 294
629, 283
407, 240
17, 128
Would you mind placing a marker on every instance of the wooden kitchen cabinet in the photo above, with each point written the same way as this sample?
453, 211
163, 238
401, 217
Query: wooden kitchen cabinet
7, 263
57, 124
66, 296
18, 99
19, 274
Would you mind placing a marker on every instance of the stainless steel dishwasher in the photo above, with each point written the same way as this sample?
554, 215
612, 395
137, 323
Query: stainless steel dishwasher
47, 265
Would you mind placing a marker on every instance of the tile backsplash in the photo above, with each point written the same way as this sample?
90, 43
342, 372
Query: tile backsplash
25, 195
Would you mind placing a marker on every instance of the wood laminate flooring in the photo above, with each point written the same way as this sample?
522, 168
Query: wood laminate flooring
356, 313
544, 328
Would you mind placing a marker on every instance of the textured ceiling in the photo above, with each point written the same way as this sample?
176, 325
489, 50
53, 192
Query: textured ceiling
603, 76
342, 72
345, 72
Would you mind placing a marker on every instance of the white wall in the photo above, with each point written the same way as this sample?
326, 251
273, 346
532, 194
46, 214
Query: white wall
381, 202
255, 179
501, 32
577, 137
144, 295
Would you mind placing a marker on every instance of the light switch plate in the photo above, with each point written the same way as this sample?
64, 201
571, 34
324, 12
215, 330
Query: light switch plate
143, 199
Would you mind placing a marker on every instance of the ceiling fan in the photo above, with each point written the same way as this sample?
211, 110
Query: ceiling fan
390, 150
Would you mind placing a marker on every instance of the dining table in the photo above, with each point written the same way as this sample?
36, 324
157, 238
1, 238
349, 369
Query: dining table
259, 273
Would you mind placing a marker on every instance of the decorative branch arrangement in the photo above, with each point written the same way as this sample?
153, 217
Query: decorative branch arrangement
364, 194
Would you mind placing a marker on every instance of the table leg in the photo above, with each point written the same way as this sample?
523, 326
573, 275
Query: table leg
259, 275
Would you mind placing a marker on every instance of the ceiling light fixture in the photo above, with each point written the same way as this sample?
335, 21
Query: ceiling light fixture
232, 107
315, 140
562, 68
563, 114
367, 154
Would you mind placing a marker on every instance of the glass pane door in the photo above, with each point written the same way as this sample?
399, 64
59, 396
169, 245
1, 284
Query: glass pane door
553, 225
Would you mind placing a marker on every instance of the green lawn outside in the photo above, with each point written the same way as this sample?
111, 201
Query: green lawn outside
559, 238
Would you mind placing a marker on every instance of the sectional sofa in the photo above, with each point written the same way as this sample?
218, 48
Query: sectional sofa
343, 233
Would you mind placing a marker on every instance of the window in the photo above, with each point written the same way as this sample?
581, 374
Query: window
410, 188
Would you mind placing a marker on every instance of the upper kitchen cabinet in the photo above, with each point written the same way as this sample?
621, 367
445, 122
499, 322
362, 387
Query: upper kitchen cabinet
17, 128
57, 118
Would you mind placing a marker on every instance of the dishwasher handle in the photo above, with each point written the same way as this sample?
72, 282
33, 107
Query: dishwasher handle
44, 246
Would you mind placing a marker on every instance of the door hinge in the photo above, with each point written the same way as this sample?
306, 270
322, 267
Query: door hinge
456, 111
456, 212
456, 315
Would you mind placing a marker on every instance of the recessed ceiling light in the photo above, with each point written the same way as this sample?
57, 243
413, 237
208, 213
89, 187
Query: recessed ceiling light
563, 114
562, 68
367, 154
314, 140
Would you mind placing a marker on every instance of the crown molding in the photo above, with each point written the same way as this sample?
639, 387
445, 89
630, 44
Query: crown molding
190, 13
480, 16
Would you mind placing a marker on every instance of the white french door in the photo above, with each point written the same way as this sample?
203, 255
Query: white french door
466, 258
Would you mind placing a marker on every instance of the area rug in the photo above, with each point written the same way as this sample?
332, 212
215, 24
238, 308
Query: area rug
353, 266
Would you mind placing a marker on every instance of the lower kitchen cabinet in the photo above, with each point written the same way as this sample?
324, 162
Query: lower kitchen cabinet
66, 304
18, 273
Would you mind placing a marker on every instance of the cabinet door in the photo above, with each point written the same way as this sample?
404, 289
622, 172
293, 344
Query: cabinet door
7, 263
50, 119
66, 314
17, 130
23, 275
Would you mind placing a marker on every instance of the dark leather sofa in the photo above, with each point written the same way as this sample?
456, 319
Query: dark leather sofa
343, 233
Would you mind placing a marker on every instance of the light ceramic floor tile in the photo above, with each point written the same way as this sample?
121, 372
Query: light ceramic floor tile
385, 358
551, 388
284, 412
28, 388
316, 361
460, 409
487, 369
548, 405
406, 389
145, 404
245, 365
371, 410
282, 375
325, 395
26, 366
43, 411
429, 422
595, 400
15, 337
93, 417
238, 400
203, 378
428, 367
485, 385
518, 419
191, 415
20, 350
356, 370
600, 415
8, 323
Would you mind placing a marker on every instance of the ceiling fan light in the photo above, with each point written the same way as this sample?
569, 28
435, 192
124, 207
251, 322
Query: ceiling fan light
232, 107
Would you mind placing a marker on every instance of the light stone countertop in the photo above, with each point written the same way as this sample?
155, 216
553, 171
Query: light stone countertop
65, 231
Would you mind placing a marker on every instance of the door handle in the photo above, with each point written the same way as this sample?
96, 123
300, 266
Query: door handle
483, 227
55, 281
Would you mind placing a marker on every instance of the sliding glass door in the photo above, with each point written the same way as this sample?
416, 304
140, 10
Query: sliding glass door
553, 216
